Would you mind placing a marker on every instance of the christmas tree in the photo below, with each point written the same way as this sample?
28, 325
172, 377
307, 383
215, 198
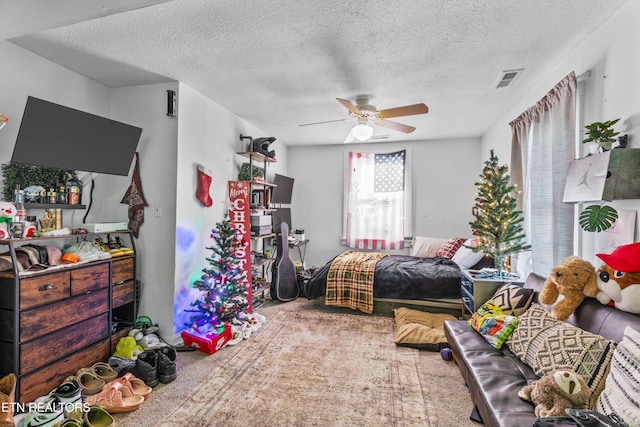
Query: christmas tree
497, 223
224, 282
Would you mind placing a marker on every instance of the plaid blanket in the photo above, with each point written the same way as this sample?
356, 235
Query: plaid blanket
350, 280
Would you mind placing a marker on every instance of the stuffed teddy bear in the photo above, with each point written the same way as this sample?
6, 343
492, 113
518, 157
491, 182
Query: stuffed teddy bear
619, 278
7, 213
574, 278
555, 392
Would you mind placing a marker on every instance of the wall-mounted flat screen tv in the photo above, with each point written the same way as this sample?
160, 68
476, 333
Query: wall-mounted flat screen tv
283, 190
52, 135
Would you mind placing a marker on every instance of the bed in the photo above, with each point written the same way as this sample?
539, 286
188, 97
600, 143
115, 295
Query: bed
428, 277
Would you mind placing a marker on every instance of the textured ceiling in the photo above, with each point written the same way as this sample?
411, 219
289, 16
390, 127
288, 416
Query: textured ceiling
281, 63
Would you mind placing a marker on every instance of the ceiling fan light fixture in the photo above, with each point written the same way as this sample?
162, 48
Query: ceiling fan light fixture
362, 131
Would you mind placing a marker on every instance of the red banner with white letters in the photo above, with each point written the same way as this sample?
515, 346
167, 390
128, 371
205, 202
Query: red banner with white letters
239, 213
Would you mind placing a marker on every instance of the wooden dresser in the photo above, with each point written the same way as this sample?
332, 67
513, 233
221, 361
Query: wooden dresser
55, 321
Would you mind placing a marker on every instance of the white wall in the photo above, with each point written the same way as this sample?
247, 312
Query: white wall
208, 134
612, 91
443, 177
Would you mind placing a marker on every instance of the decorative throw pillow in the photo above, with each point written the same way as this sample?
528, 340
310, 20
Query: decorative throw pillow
449, 248
420, 329
491, 322
512, 299
547, 344
465, 257
621, 392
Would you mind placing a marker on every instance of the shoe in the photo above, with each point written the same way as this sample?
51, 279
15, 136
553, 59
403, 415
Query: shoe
116, 398
7, 399
121, 365
44, 416
151, 342
67, 397
97, 416
136, 385
89, 383
104, 371
167, 358
147, 368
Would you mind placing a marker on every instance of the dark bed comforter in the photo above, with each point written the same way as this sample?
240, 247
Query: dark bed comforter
402, 277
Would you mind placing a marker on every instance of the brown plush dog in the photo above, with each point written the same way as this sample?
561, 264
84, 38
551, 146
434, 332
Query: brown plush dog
557, 391
574, 278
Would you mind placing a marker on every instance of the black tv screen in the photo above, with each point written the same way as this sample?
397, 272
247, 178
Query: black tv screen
52, 135
283, 190
279, 216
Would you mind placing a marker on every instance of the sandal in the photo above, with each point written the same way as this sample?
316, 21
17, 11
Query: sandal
104, 371
97, 416
90, 384
116, 398
138, 387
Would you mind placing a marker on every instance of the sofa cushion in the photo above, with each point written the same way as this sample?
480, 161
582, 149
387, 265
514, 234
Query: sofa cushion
547, 344
512, 299
491, 322
621, 392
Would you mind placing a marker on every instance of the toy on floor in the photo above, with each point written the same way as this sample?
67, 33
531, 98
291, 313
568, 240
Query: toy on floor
555, 392
128, 348
619, 278
575, 279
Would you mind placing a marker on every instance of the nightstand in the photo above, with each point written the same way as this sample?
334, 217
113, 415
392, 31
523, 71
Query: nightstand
476, 290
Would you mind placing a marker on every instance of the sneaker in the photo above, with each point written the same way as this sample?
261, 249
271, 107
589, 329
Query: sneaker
167, 358
44, 416
121, 365
66, 397
147, 368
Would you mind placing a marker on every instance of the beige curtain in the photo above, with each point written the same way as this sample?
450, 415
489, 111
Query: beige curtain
542, 146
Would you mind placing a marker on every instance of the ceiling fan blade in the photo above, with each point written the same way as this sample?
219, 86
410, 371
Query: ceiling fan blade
327, 121
407, 110
349, 105
395, 126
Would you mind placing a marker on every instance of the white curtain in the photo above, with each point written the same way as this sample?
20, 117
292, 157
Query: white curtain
375, 203
543, 145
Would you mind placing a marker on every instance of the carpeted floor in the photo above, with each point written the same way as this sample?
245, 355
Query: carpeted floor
310, 366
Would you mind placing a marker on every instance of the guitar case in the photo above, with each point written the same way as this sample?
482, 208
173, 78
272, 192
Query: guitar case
284, 283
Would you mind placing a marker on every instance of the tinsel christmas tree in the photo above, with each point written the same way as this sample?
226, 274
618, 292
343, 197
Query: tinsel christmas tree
224, 282
497, 224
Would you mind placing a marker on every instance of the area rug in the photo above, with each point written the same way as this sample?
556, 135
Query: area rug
312, 369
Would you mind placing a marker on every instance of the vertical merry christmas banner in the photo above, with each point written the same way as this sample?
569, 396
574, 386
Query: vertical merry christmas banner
240, 220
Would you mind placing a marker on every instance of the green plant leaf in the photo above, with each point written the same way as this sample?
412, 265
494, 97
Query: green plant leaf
597, 218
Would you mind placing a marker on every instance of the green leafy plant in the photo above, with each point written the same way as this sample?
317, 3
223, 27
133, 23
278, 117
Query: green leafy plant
597, 218
25, 175
601, 133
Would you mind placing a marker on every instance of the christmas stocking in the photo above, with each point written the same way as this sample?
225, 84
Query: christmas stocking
204, 183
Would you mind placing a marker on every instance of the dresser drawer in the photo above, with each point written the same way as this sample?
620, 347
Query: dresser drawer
42, 320
122, 270
44, 350
44, 380
122, 294
91, 278
42, 289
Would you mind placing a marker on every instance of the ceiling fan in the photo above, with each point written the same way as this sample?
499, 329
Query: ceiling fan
364, 112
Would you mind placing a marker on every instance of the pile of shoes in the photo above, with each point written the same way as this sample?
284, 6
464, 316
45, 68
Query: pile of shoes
85, 252
114, 246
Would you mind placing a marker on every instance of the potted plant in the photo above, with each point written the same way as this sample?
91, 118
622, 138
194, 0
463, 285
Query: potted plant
601, 133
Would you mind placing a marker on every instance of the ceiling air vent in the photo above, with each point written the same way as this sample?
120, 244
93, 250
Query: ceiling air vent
507, 77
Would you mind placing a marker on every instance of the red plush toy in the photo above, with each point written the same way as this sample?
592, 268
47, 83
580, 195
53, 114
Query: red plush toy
619, 278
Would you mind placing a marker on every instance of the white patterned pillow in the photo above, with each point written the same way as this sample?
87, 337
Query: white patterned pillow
546, 344
621, 392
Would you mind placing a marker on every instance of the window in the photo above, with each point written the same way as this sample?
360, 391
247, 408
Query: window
375, 202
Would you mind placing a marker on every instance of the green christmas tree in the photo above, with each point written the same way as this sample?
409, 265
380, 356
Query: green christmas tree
224, 282
497, 224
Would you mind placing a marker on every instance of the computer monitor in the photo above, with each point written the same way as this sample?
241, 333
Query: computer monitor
279, 216
283, 190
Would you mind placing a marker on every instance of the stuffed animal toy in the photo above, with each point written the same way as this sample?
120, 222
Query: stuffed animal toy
574, 278
619, 278
555, 392
127, 348
7, 213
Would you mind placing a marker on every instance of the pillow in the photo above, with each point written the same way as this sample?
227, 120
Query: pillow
449, 248
426, 246
547, 344
621, 392
491, 322
465, 257
513, 299
421, 330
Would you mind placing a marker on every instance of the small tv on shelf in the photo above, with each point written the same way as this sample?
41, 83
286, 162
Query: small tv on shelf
283, 190
279, 216
52, 135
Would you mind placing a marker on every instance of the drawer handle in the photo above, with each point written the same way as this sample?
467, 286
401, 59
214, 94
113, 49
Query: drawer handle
46, 287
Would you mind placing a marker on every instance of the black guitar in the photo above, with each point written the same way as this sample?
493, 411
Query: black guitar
284, 283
